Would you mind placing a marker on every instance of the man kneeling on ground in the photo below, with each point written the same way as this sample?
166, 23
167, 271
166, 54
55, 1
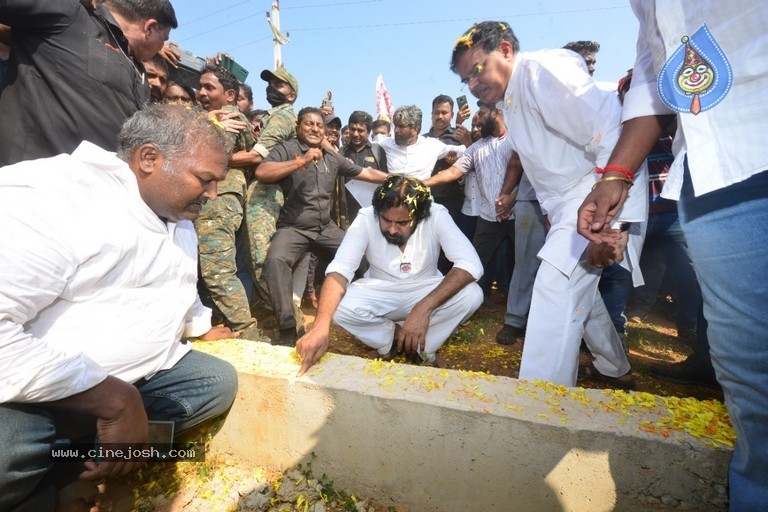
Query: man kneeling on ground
403, 303
98, 296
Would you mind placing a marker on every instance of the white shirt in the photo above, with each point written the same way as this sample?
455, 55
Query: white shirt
92, 282
419, 258
725, 144
489, 157
417, 160
562, 126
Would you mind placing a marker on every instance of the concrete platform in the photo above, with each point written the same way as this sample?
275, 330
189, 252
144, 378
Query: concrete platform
425, 439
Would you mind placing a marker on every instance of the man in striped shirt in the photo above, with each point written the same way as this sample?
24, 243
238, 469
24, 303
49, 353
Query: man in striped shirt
498, 174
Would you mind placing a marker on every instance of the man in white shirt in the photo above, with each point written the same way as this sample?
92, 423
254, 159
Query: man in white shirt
98, 295
412, 154
706, 66
403, 302
498, 175
561, 125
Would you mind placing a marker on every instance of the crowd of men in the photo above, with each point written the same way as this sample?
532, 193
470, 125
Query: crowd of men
139, 214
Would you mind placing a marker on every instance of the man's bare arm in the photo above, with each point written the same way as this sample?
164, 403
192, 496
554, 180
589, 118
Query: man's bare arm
271, 172
314, 344
507, 197
448, 175
411, 337
372, 175
120, 418
245, 159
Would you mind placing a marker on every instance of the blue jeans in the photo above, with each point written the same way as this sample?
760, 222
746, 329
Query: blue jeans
727, 234
198, 388
614, 286
665, 248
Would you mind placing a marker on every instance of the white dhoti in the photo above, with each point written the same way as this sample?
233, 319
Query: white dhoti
371, 308
563, 311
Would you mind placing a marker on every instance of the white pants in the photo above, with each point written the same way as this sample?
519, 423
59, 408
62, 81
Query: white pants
563, 311
371, 308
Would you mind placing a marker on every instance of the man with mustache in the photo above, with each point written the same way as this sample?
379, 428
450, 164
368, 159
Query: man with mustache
361, 151
306, 174
403, 303
98, 300
410, 153
156, 72
562, 125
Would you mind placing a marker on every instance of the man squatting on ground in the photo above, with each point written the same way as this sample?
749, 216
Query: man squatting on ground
402, 303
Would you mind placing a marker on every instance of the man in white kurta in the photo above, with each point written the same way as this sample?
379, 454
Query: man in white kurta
562, 126
98, 293
403, 300
412, 154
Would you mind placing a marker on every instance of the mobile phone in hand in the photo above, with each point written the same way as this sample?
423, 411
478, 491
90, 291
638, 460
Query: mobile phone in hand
461, 101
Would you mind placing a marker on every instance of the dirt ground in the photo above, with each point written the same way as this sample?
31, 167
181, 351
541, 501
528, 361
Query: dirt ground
474, 347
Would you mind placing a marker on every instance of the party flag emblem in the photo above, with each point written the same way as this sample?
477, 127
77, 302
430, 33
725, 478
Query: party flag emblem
697, 76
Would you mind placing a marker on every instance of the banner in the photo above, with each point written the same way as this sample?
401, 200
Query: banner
383, 102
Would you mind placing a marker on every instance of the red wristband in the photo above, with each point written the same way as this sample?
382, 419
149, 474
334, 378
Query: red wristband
616, 168
300, 162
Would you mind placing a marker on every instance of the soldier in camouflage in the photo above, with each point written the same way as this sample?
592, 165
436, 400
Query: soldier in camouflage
220, 221
264, 200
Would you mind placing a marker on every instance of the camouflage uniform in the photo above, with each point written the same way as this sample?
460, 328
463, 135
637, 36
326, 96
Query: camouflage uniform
217, 230
264, 200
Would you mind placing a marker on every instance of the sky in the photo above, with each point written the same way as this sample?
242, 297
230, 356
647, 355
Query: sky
342, 46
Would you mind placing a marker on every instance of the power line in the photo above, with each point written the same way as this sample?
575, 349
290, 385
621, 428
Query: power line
433, 22
217, 11
383, 25
213, 29
329, 5
410, 23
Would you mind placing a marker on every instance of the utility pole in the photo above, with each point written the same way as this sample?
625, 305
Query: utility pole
278, 37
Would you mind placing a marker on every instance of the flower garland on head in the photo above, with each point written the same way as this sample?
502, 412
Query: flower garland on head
466, 39
413, 190
412, 200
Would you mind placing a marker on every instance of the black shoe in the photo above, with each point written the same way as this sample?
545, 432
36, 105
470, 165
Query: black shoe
686, 372
286, 337
509, 334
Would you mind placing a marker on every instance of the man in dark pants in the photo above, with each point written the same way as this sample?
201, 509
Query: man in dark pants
306, 173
